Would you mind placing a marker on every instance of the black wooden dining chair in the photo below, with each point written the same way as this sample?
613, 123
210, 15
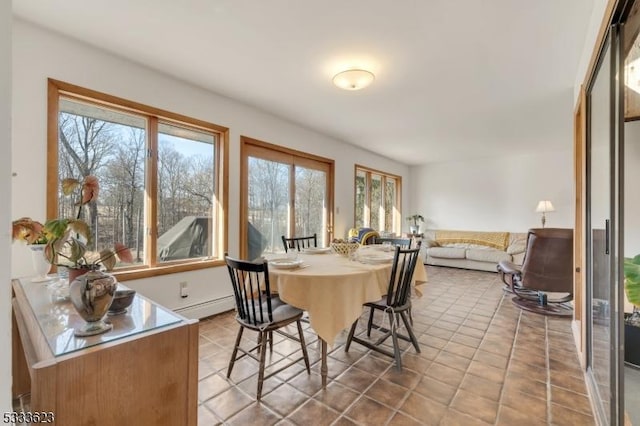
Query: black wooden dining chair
395, 305
257, 309
404, 243
299, 243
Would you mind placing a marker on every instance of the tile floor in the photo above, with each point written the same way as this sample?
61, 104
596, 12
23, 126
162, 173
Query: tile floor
482, 362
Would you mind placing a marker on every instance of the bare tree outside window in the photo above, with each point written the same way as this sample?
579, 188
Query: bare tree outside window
377, 200
114, 146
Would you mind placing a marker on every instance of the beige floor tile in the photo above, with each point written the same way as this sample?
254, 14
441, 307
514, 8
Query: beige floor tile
508, 416
337, 396
255, 414
387, 393
561, 415
475, 406
284, 399
481, 387
206, 417
438, 391
368, 411
400, 419
228, 403
424, 409
313, 412
456, 418
575, 401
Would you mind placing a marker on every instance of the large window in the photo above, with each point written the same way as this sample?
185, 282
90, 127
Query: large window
284, 192
377, 200
162, 189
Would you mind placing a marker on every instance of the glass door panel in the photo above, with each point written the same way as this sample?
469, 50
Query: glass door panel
268, 205
599, 222
310, 203
377, 211
284, 194
361, 198
390, 212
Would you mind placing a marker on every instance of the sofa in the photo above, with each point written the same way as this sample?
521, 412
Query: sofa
473, 249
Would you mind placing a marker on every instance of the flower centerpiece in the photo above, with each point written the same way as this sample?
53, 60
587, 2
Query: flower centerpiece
416, 219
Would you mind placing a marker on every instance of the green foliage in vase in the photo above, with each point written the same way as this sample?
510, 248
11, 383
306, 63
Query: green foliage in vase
415, 218
67, 238
632, 279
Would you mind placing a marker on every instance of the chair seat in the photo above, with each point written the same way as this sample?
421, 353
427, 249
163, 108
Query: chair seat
280, 312
382, 304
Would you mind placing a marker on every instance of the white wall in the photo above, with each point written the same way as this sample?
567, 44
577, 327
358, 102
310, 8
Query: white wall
39, 54
597, 13
5, 208
495, 194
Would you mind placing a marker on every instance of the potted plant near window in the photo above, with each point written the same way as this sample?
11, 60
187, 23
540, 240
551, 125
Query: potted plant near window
91, 290
632, 320
416, 219
66, 239
31, 232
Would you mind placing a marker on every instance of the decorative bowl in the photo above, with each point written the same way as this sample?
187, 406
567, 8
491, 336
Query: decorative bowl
344, 249
121, 301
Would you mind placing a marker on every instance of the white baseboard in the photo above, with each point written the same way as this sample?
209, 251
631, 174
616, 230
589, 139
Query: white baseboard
206, 309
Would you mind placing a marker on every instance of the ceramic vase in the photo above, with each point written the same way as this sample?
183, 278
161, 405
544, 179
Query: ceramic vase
91, 295
40, 263
74, 273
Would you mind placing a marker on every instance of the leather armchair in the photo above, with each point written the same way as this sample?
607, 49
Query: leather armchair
544, 282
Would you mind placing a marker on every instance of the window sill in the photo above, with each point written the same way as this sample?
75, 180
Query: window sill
173, 268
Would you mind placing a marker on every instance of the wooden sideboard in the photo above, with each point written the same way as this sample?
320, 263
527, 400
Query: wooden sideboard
144, 371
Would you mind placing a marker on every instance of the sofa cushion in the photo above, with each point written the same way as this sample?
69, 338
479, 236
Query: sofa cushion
498, 240
487, 255
447, 252
464, 245
517, 243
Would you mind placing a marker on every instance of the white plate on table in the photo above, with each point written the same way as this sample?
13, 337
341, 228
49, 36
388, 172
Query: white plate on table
285, 263
317, 250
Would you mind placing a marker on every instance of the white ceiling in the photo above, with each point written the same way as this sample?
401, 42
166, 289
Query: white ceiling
454, 79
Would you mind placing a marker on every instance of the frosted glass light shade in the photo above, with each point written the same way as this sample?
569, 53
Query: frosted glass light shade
354, 79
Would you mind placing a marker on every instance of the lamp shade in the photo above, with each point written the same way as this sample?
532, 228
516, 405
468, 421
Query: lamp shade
545, 206
354, 79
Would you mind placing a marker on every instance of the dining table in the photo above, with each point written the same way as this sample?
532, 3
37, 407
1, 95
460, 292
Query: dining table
333, 288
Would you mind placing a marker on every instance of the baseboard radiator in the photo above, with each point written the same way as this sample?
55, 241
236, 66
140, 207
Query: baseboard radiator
206, 309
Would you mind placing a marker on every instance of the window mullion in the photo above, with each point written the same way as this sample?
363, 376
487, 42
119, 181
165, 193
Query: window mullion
151, 192
383, 204
367, 202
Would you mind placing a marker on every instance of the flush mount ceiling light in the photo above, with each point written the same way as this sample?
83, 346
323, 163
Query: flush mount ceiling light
354, 79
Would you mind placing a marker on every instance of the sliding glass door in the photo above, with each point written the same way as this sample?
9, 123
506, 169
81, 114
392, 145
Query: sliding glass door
602, 232
284, 192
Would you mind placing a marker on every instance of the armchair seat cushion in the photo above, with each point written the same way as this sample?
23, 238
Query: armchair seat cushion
488, 255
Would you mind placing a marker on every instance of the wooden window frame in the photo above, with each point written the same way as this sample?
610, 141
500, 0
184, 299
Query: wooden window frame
285, 155
397, 225
151, 268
